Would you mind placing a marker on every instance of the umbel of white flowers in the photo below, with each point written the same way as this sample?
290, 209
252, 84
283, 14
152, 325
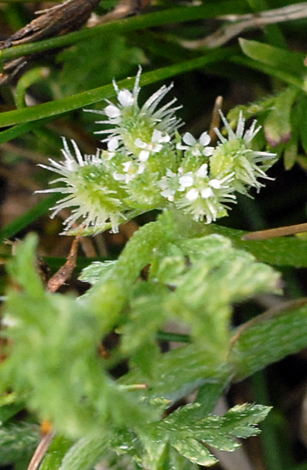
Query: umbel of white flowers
148, 165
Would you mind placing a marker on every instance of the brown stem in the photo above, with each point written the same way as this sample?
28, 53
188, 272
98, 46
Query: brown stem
276, 232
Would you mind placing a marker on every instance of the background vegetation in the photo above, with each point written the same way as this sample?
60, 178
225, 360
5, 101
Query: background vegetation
262, 74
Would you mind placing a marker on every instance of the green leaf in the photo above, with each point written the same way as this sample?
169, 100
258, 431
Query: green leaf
107, 299
87, 98
181, 371
147, 315
54, 455
166, 16
18, 442
21, 129
10, 410
141, 325
188, 433
167, 264
281, 59
218, 431
284, 330
85, 453
194, 451
283, 251
126, 442
301, 121
22, 268
273, 61
85, 62
57, 338
208, 396
277, 126
97, 272
217, 276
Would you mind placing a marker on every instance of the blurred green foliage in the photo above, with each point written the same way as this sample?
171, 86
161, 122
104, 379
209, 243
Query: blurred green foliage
198, 276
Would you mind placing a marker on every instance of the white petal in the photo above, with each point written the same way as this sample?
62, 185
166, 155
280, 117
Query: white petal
141, 168
170, 173
203, 171
205, 139
112, 111
140, 144
165, 138
181, 147
208, 151
192, 195
206, 193
216, 184
113, 144
188, 139
125, 98
126, 166
9, 321
157, 148
144, 155
169, 194
196, 152
186, 181
156, 136
118, 176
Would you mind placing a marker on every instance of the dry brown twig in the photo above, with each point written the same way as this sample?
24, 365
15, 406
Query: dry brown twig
245, 22
216, 118
276, 232
61, 19
41, 450
65, 271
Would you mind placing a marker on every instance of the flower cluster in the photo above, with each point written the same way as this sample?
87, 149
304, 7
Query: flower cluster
147, 165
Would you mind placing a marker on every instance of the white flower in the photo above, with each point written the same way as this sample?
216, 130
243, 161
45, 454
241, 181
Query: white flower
131, 170
154, 146
169, 185
85, 183
208, 198
130, 122
234, 155
186, 180
196, 148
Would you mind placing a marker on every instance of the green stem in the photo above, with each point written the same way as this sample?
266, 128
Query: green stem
108, 299
64, 105
170, 16
271, 71
29, 78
